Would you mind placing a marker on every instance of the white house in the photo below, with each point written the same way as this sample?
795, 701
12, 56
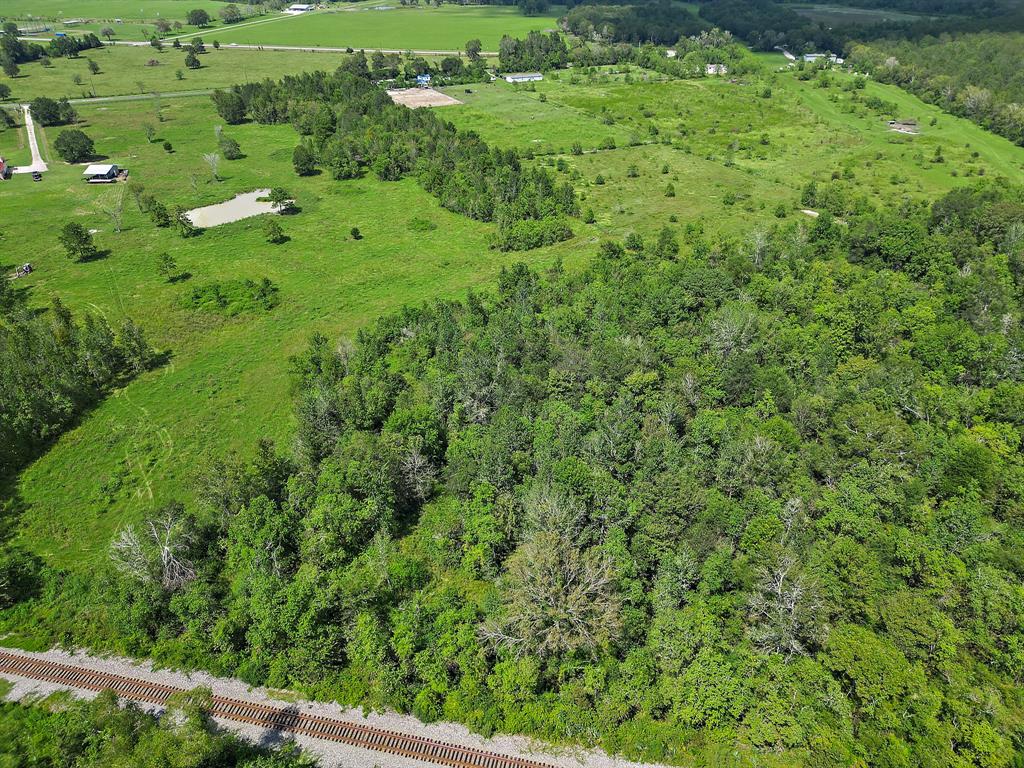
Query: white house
523, 77
716, 69
813, 57
100, 174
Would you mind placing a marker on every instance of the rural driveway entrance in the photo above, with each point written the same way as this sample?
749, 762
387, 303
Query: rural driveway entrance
37, 160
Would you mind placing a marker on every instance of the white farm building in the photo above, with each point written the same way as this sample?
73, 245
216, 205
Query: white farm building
523, 77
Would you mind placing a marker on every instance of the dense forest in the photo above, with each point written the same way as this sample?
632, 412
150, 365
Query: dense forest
100, 734
975, 76
762, 493
350, 126
765, 24
662, 22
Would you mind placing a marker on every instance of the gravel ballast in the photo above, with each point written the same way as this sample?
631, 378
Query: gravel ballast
332, 754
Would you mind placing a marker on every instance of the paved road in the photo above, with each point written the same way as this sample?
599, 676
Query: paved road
38, 164
306, 48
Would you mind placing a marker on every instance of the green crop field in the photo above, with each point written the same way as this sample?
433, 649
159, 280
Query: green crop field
844, 14
105, 9
732, 155
421, 28
126, 70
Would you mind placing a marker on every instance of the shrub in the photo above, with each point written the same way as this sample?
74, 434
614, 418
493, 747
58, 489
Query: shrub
532, 233
230, 149
417, 224
232, 297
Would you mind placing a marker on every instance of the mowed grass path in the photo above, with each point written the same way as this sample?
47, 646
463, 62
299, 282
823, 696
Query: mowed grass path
421, 28
226, 383
124, 70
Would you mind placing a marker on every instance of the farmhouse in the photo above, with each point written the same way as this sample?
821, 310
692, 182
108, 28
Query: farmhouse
716, 69
523, 77
100, 174
813, 57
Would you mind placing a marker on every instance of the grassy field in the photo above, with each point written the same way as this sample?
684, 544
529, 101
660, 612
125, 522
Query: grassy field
844, 14
718, 137
136, 18
444, 28
13, 142
124, 70
106, 9
732, 155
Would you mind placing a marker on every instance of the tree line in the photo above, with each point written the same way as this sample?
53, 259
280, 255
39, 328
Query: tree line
350, 126
14, 51
762, 493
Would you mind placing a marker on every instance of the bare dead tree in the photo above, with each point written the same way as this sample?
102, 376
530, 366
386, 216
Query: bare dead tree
417, 471
114, 209
155, 552
130, 556
783, 610
213, 160
557, 599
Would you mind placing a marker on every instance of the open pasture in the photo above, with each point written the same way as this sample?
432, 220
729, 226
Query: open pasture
396, 28
127, 70
843, 14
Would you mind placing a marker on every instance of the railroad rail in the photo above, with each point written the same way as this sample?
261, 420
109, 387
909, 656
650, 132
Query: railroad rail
265, 715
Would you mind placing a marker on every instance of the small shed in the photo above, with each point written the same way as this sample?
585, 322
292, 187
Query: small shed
716, 69
423, 81
100, 174
523, 77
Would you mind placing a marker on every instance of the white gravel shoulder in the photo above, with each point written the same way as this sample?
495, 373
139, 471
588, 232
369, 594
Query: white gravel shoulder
331, 754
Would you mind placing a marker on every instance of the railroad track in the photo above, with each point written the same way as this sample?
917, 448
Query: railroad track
265, 715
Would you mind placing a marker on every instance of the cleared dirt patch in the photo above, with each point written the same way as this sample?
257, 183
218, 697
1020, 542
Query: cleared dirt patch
414, 98
237, 208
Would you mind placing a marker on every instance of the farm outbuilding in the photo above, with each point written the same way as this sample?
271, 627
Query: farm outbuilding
523, 77
908, 125
100, 174
300, 7
716, 69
